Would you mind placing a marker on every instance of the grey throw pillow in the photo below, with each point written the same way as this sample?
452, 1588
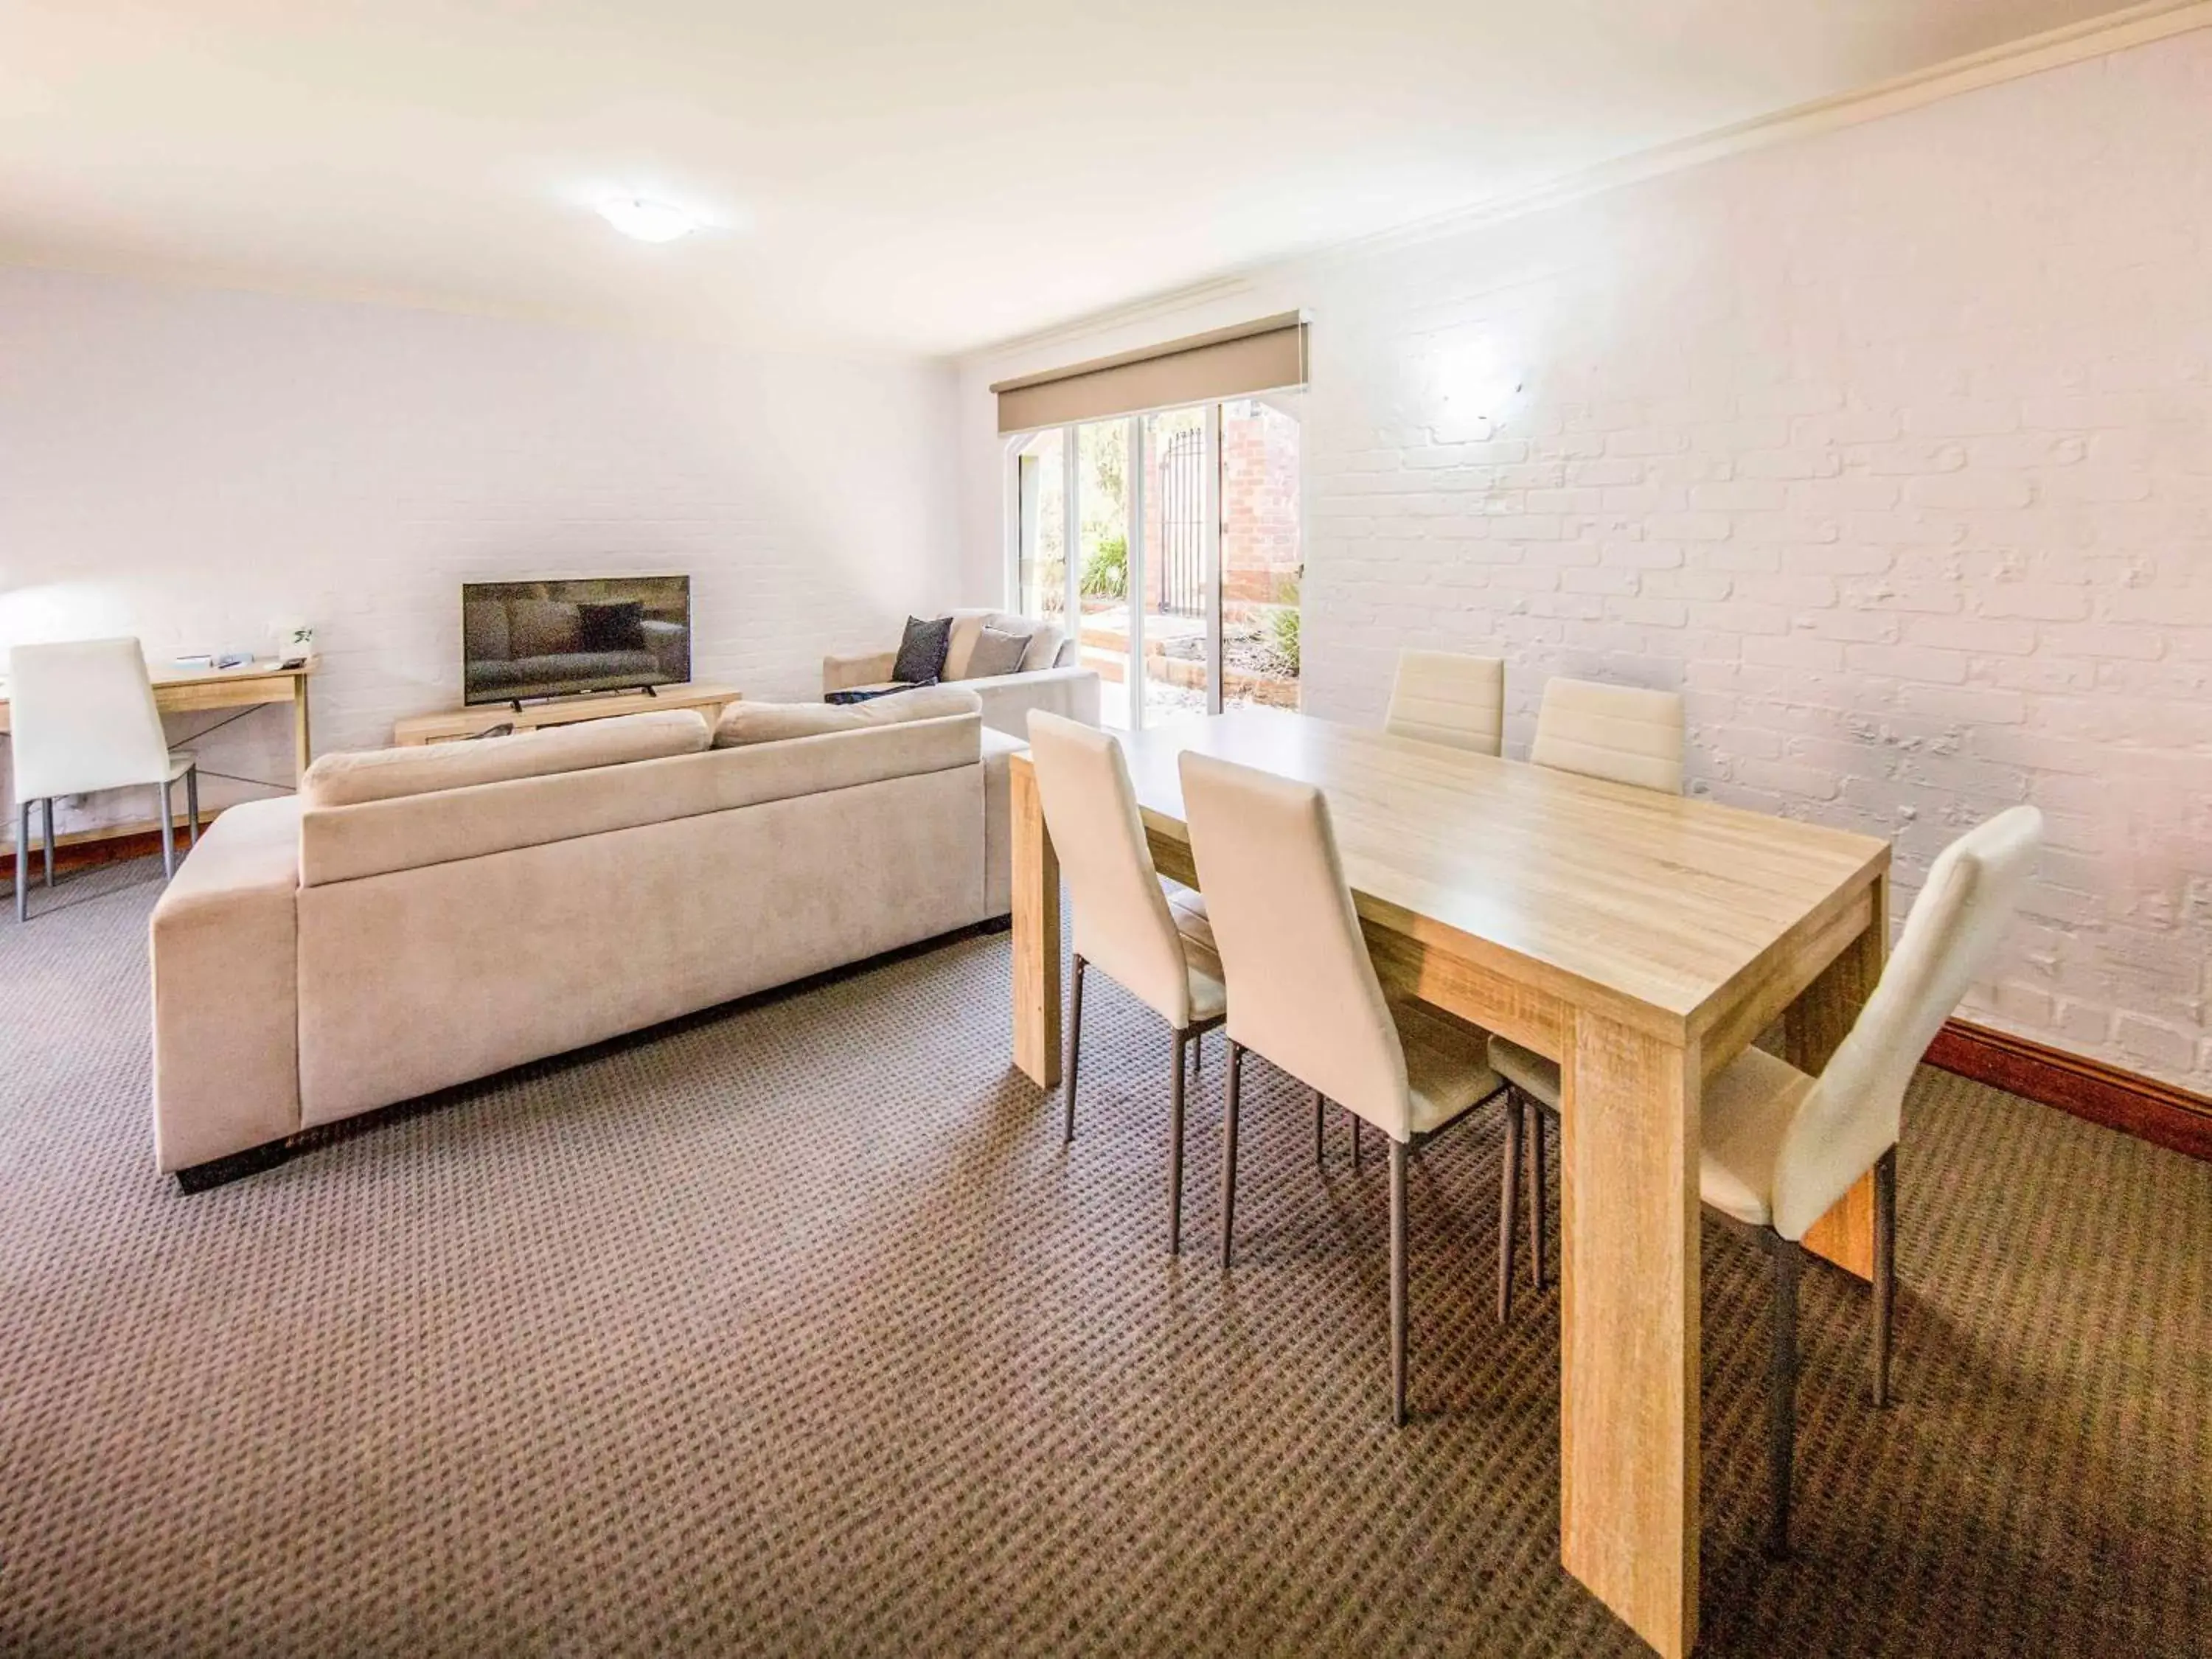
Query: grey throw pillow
996, 652
922, 652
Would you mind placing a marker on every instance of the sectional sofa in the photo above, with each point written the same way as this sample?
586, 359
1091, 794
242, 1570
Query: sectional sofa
416, 918
1049, 676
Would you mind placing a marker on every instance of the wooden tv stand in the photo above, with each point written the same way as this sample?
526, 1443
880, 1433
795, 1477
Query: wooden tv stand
708, 699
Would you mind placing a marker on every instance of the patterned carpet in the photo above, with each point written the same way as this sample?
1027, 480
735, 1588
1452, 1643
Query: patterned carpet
794, 1329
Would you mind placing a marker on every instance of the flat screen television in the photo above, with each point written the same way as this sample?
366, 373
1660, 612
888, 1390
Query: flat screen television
556, 639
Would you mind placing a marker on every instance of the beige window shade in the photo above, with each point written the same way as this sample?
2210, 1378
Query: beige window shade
1266, 355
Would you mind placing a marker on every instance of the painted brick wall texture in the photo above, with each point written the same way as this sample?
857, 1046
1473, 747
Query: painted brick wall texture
191, 466
1892, 448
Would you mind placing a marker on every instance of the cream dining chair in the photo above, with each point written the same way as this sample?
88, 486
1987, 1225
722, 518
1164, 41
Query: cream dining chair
1155, 947
1442, 696
1623, 734
1779, 1148
82, 718
1304, 995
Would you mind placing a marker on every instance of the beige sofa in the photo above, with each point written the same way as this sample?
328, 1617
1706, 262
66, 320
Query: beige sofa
417, 918
1048, 678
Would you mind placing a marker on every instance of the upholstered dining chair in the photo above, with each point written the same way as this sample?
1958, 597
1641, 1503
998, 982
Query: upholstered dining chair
1156, 947
82, 718
1780, 1148
1303, 995
1442, 696
1622, 733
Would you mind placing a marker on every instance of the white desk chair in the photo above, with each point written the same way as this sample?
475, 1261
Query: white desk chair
1156, 948
1442, 696
1303, 995
81, 718
1780, 1148
1621, 732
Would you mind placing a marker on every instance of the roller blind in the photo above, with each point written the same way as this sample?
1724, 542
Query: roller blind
1265, 356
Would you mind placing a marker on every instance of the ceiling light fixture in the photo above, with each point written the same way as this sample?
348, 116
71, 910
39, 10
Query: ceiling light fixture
648, 221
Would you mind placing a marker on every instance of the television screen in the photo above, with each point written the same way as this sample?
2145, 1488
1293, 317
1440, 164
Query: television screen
554, 639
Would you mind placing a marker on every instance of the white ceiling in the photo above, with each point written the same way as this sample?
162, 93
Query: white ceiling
901, 174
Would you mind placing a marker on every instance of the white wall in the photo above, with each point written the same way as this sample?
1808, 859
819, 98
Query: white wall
190, 465
1892, 447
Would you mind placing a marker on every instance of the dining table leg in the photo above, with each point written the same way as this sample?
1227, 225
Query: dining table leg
1629, 1336
1813, 1029
1035, 871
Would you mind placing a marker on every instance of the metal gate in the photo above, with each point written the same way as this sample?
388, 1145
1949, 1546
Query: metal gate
1182, 582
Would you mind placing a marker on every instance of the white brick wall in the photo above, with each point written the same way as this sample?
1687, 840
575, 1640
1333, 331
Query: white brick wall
191, 465
1892, 448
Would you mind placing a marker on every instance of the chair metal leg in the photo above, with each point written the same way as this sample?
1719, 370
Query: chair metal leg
1885, 1268
46, 817
193, 805
1074, 1047
1175, 1152
1397, 1283
23, 861
1782, 1396
1509, 1202
1229, 1151
1354, 1116
1536, 1195
1321, 1126
168, 832
1197, 1053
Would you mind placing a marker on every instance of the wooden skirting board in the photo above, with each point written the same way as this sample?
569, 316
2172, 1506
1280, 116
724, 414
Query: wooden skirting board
86, 848
2140, 1106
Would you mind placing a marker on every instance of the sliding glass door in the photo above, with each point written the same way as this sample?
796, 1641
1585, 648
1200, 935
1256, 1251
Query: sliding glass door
1176, 585
1188, 545
1102, 573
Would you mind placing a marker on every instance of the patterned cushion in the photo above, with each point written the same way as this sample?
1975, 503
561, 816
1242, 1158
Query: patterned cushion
853, 693
996, 653
922, 652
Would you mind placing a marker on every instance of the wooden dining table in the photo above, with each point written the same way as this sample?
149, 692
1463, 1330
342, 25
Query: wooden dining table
1642, 939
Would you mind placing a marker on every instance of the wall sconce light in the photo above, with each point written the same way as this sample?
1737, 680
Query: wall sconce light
1474, 386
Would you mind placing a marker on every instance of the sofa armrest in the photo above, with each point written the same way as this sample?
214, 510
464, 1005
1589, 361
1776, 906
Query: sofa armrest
998, 750
841, 673
1008, 698
226, 990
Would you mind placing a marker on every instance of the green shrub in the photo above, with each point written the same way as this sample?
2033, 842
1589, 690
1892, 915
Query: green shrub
1106, 571
1283, 630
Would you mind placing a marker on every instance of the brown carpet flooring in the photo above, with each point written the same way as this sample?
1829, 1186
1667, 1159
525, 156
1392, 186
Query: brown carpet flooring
794, 1329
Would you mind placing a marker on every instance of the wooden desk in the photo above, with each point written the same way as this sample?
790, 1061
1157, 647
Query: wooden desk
188, 693
1642, 939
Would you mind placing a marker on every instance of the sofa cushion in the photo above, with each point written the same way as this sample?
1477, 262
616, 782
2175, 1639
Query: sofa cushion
744, 723
996, 651
968, 624
407, 833
348, 780
1044, 650
921, 651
